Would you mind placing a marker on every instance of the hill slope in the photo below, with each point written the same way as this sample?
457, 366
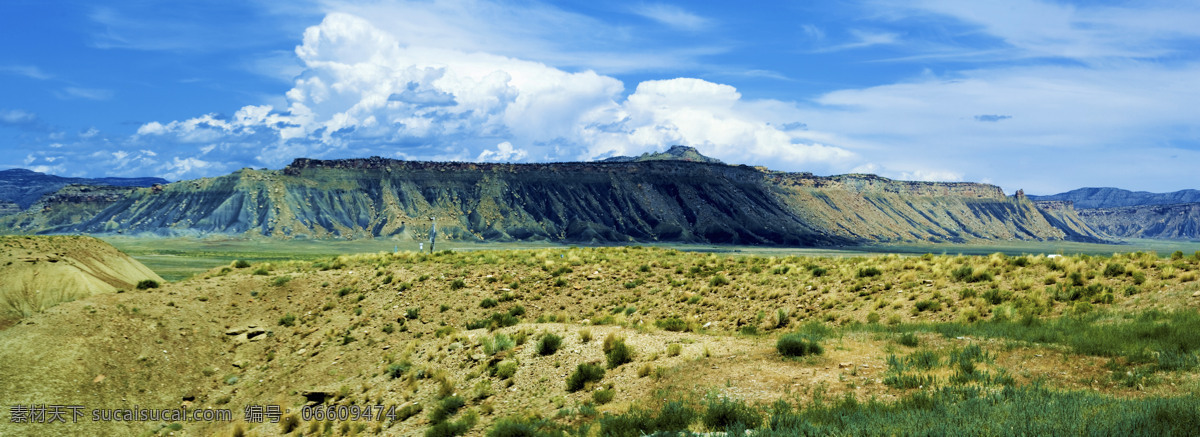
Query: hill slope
40, 272
1176, 221
24, 187
1136, 214
1092, 198
655, 200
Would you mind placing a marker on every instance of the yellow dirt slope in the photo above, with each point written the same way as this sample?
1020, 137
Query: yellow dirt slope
39, 272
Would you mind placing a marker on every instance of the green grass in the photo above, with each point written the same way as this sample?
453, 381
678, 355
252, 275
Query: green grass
1139, 338
1029, 410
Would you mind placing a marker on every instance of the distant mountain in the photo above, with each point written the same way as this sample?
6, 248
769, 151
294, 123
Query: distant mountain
24, 187
646, 200
675, 153
1136, 214
1090, 198
1180, 221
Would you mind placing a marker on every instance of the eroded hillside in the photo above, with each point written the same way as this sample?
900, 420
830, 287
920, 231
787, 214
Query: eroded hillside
607, 202
457, 342
40, 272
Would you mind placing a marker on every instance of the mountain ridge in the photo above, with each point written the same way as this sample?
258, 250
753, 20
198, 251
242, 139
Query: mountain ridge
24, 187
650, 200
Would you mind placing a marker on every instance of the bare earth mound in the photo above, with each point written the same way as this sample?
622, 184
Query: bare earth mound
40, 272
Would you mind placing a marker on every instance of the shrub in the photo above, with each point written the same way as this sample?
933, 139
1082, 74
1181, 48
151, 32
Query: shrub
488, 303
673, 324
261, 271
797, 345
963, 273
497, 343
1114, 269
721, 413
506, 369
147, 284
908, 339
718, 280
280, 281
549, 344
604, 396
397, 370
868, 272
457, 284
674, 349
928, 305
412, 313
241, 264
583, 374
287, 320
446, 408
618, 354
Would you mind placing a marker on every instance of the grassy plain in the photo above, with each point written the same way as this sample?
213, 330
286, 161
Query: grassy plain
634, 340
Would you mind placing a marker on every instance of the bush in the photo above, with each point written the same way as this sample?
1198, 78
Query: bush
722, 413
287, 320
618, 354
1114, 269
868, 272
241, 264
674, 349
908, 339
280, 281
457, 284
497, 343
446, 408
583, 374
604, 396
798, 345
506, 369
397, 370
718, 280
549, 344
488, 303
673, 324
147, 284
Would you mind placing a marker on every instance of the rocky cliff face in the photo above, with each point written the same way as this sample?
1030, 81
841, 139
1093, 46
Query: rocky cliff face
25, 187
1175, 221
653, 200
64, 208
1092, 198
1134, 214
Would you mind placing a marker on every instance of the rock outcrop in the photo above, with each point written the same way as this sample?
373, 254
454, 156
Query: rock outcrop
600, 202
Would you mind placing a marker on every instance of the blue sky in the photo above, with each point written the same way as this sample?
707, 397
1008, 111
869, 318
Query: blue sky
1045, 96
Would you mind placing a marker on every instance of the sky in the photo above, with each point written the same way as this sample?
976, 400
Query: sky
1045, 96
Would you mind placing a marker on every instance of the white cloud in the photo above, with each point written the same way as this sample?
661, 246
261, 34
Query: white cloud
1051, 117
72, 92
672, 16
1079, 31
367, 92
17, 117
505, 152
30, 71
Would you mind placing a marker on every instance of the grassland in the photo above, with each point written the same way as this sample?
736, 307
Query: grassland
637, 340
179, 258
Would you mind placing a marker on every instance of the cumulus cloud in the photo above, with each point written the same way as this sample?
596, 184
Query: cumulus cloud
505, 152
365, 92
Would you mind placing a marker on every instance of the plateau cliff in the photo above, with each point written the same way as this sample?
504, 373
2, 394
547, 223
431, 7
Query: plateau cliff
601, 202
